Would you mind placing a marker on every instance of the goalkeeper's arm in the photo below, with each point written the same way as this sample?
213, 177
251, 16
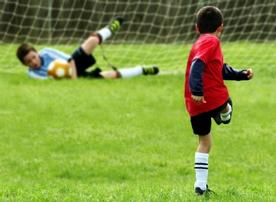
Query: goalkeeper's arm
33, 75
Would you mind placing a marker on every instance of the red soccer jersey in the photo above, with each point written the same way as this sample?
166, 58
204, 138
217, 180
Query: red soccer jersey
207, 49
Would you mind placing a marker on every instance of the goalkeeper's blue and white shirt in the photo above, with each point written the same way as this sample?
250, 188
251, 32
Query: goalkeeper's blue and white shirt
47, 55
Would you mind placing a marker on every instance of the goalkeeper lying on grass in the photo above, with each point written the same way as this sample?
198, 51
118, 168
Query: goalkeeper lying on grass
53, 63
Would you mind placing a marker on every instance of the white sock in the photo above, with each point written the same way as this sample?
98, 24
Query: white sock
201, 170
226, 115
131, 72
105, 33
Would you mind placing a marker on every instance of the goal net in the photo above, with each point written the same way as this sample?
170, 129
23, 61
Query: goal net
155, 32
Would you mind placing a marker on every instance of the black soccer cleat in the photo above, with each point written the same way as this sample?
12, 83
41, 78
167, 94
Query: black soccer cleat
228, 121
115, 24
150, 70
218, 119
201, 192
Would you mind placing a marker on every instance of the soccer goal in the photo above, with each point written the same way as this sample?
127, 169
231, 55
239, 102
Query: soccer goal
155, 32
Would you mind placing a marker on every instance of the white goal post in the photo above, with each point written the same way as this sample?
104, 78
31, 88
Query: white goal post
155, 31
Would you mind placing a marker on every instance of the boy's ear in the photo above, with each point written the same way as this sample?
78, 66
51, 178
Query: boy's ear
196, 29
220, 28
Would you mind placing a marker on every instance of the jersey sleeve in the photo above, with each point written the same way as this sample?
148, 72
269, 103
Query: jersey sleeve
55, 54
35, 75
229, 73
195, 78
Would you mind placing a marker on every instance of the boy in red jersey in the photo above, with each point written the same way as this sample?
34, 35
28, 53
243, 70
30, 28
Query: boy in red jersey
206, 95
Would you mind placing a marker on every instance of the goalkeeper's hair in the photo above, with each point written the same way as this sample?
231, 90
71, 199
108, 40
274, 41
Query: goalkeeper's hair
208, 19
23, 50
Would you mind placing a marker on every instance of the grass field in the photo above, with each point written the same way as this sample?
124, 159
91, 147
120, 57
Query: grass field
131, 140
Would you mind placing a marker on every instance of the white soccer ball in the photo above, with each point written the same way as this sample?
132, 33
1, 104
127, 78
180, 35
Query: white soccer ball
59, 69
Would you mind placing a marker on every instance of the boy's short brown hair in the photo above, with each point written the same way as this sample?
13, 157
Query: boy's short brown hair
208, 19
23, 50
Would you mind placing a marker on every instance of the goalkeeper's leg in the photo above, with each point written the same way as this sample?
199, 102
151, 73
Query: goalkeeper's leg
131, 72
101, 35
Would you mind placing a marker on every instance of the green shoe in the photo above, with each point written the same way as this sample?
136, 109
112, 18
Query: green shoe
115, 24
150, 70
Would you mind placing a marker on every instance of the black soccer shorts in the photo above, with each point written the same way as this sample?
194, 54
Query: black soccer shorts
201, 123
83, 62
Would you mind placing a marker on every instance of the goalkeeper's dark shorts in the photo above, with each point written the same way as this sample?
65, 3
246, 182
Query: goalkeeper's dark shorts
83, 62
201, 123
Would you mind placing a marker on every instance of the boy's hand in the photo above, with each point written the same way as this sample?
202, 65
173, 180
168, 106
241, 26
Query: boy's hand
249, 73
198, 99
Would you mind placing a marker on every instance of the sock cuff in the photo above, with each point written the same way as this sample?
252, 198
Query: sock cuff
130, 72
201, 155
104, 33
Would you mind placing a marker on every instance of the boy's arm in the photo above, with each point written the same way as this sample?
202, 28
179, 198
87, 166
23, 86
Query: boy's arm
195, 80
230, 73
33, 75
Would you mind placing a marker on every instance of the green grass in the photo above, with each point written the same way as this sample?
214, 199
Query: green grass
131, 140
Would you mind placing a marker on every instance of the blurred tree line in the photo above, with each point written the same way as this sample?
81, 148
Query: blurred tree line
155, 21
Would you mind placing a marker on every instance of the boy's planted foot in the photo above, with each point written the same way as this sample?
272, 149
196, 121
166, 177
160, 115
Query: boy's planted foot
200, 192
